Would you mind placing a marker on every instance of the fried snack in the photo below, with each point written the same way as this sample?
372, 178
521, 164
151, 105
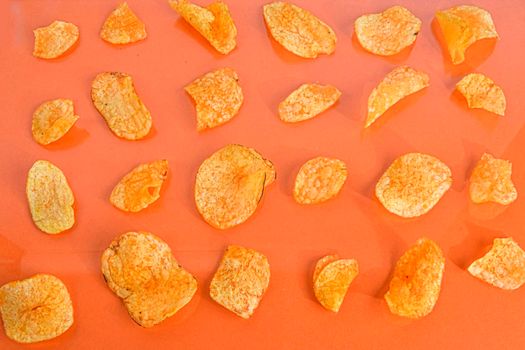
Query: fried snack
114, 96
319, 179
399, 83
123, 27
298, 30
218, 97
413, 184
52, 120
308, 101
332, 277
241, 280
55, 39
462, 26
35, 309
388, 32
321, 264
481, 92
141, 270
491, 181
50, 198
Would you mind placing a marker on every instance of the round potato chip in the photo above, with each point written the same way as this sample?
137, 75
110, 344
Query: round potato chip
481, 92
308, 101
491, 181
123, 27
55, 39
319, 179
52, 120
332, 282
321, 264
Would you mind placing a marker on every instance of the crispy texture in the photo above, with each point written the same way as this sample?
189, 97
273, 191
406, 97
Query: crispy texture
241, 280
481, 92
298, 30
35, 309
218, 97
413, 184
123, 27
333, 280
52, 120
114, 96
503, 266
416, 283
321, 264
491, 181
308, 101
388, 32
141, 270
50, 198
399, 83
319, 179
55, 39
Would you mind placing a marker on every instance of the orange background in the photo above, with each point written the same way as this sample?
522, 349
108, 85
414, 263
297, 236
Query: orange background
469, 313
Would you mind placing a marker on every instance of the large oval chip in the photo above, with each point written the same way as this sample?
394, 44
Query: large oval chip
123, 26
332, 281
52, 120
55, 39
308, 101
298, 30
481, 92
491, 181
319, 179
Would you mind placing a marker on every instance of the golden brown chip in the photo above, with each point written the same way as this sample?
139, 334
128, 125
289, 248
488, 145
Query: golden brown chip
140, 268
416, 283
123, 27
333, 280
114, 96
35, 309
413, 184
319, 179
218, 97
298, 30
388, 32
241, 280
491, 181
321, 264
399, 83
308, 101
481, 92
55, 39
52, 120
50, 198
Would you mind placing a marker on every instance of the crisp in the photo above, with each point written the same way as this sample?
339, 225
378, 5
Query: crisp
491, 181
123, 27
52, 120
319, 179
55, 39
332, 277
308, 101
481, 92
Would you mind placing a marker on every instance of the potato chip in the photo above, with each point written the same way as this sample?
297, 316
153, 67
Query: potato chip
333, 280
213, 22
308, 101
298, 30
140, 269
123, 27
416, 283
319, 179
481, 92
140, 187
55, 39
52, 120
114, 96
35, 309
388, 32
50, 198
218, 97
503, 266
491, 181
399, 83
321, 264
462, 26
241, 280
413, 184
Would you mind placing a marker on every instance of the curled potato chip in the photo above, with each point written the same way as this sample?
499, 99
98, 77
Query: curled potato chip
308, 101
491, 181
332, 278
388, 32
35, 309
140, 269
399, 83
114, 96
416, 283
55, 39
230, 184
413, 184
218, 97
319, 179
298, 30
50, 198
123, 27
321, 264
481, 92
52, 120
241, 280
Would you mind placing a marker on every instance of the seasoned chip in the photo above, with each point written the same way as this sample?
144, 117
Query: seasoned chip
491, 181
115, 98
241, 280
388, 32
52, 120
298, 30
218, 97
55, 39
413, 184
50, 198
399, 83
308, 101
319, 179
321, 264
332, 280
481, 92
123, 27
140, 268
35, 309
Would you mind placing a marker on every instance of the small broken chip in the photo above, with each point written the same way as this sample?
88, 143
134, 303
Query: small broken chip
140, 187
399, 83
481, 92
308, 101
462, 26
114, 96
319, 179
123, 27
35, 309
140, 269
298, 30
52, 120
217, 96
503, 266
388, 32
413, 184
241, 280
332, 277
55, 39
416, 283
50, 198
491, 181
